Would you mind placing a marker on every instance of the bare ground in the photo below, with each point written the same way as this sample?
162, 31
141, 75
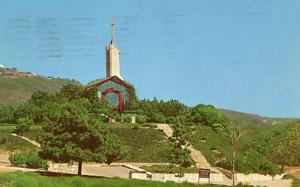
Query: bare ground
196, 155
295, 171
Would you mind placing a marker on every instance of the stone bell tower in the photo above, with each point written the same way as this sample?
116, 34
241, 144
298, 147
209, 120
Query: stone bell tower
112, 56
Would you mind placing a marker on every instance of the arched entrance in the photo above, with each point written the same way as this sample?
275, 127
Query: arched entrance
118, 93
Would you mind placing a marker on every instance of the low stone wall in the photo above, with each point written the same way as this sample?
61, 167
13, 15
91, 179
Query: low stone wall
139, 164
136, 164
65, 168
215, 178
188, 177
139, 175
256, 177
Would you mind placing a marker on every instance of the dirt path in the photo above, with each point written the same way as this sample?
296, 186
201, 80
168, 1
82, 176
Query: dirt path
27, 139
196, 155
4, 168
166, 128
4, 158
293, 171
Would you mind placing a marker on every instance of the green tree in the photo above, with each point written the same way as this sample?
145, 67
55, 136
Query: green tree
24, 110
127, 118
287, 152
113, 148
34, 107
172, 108
140, 119
179, 153
157, 117
72, 91
39, 98
162, 111
132, 103
98, 107
207, 115
232, 133
37, 105
171, 120
72, 134
23, 125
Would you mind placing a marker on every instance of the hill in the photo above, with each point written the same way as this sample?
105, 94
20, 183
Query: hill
17, 86
244, 119
256, 146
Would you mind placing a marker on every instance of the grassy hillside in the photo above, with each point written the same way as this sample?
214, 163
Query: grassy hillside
9, 143
16, 91
266, 140
143, 144
244, 119
256, 145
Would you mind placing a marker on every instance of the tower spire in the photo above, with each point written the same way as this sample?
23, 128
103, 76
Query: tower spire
112, 55
113, 30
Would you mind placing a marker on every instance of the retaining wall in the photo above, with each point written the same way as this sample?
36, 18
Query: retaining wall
188, 177
256, 177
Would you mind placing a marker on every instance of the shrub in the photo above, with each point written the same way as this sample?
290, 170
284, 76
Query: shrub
113, 148
171, 120
157, 118
127, 119
117, 118
140, 119
251, 161
28, 160
7, 114
23, 125
207, 114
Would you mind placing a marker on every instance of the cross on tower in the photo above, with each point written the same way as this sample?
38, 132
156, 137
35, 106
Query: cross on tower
113, 30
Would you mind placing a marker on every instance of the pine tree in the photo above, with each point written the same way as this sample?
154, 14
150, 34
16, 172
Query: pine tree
72, 134
180, 154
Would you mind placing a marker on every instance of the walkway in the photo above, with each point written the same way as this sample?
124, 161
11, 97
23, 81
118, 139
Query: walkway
196, 155
27, 139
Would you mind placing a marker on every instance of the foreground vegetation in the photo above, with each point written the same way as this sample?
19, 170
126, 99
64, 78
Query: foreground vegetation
149, 145
217, 150
257, 147
144, 144
36, 180
254, 154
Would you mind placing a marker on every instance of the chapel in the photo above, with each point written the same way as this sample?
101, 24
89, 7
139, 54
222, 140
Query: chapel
113, 88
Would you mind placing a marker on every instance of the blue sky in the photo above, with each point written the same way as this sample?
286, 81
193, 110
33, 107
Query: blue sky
242, 55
